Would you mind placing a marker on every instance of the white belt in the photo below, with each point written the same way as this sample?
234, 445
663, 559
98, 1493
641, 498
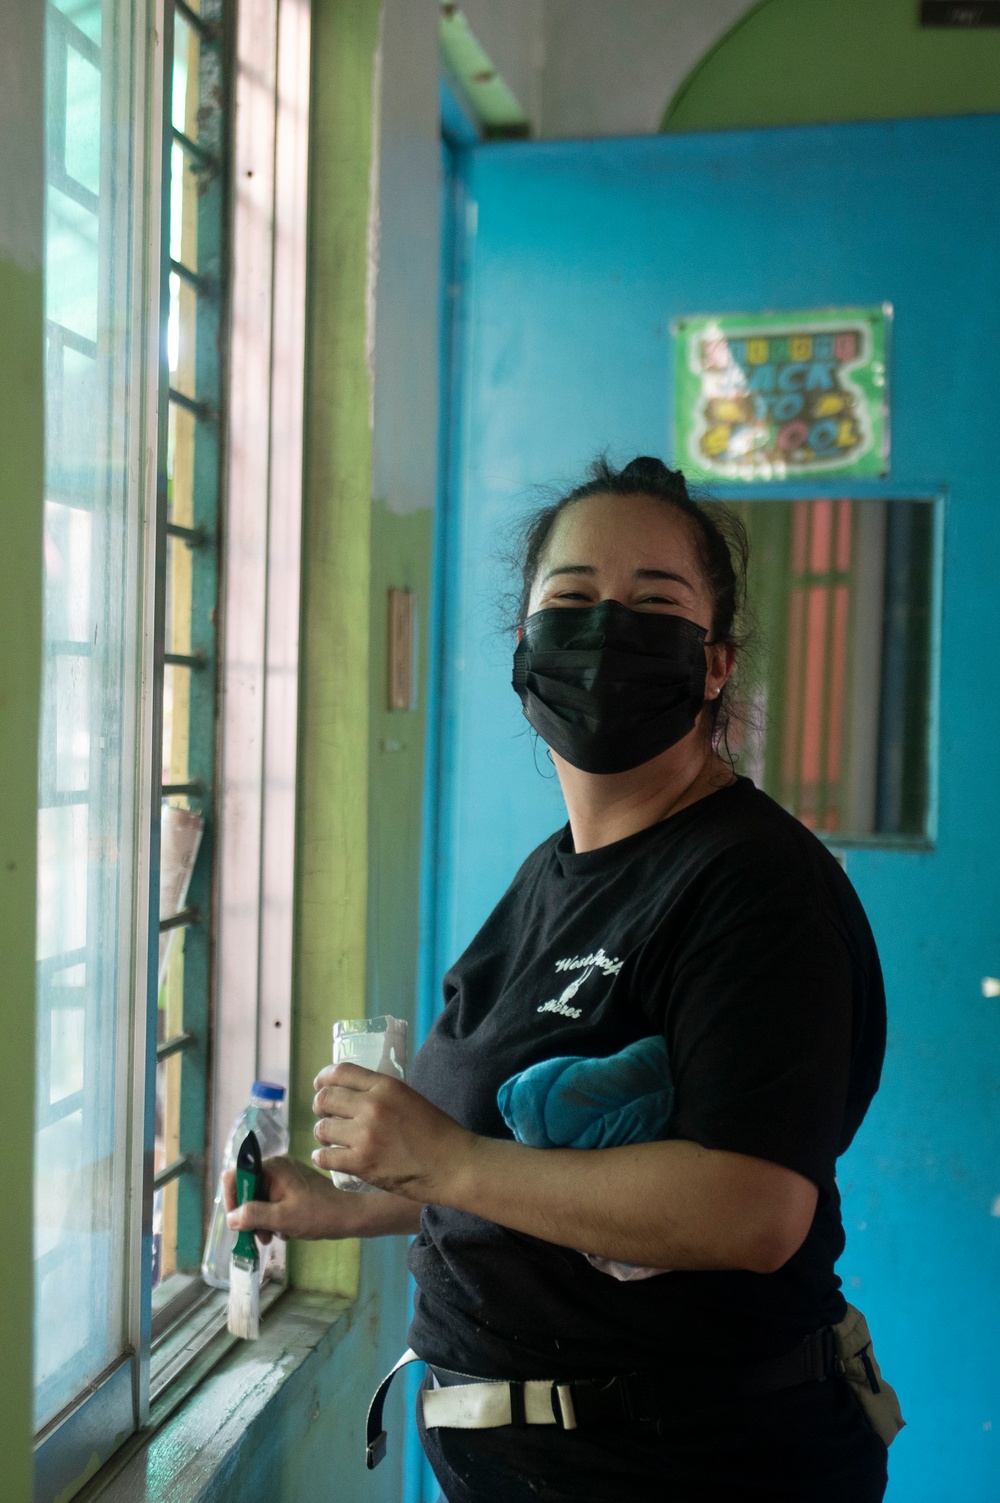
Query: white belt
476, 1405
487, 1405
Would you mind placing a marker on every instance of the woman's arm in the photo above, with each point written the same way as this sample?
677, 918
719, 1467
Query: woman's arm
663, 1205
304, 1204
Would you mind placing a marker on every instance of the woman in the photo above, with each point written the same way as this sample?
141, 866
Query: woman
679, 903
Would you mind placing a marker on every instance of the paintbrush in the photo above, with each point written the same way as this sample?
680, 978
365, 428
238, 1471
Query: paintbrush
244, 1265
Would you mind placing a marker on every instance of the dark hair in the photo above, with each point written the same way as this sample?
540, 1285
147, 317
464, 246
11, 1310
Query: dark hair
720, 538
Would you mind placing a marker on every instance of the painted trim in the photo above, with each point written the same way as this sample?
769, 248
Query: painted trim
477, 81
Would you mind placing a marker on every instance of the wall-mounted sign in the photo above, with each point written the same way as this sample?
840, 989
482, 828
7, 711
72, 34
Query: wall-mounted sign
961, 14
768, 395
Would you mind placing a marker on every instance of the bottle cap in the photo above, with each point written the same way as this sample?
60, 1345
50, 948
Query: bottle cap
266, 1090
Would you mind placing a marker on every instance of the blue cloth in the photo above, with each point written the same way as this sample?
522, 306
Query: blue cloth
575, 1102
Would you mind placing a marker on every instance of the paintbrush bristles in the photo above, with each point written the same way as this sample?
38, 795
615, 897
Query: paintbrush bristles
244, 1299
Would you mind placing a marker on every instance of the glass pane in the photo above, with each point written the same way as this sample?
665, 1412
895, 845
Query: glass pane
72, 278
838, 685
85, 15
83, 109
186, 170
170, 1017
187, 52
181, 335
86, 818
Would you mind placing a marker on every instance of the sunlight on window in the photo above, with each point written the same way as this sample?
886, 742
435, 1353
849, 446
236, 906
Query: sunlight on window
87, 764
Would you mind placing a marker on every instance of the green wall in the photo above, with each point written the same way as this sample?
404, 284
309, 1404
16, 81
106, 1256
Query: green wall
20, 672
798, 62
400, 559
360, 780
332, 839
21, 482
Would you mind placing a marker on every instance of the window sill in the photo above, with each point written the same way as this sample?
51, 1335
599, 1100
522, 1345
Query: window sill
218, 1398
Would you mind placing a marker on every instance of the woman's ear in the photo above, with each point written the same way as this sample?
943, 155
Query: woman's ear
520, 634
721, 662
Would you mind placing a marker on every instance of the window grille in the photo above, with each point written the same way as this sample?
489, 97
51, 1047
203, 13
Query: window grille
191, 393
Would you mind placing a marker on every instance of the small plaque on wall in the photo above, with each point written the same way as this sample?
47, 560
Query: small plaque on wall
764, 396
964, 14
402, 650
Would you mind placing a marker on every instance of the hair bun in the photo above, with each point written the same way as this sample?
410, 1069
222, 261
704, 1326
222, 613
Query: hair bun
649, 470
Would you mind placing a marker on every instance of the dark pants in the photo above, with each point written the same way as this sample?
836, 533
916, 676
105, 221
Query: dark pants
809, 1444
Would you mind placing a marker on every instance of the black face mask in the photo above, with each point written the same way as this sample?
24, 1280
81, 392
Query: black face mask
609, 688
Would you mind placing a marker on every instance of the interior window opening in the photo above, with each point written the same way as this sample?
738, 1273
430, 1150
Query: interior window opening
838, 710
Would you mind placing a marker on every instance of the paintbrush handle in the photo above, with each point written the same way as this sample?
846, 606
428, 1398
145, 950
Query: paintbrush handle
248, 1181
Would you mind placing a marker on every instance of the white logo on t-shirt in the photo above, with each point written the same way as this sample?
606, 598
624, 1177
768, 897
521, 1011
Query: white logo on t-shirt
586, 965
607, 966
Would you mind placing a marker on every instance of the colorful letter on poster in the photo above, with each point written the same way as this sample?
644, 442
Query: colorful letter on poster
764, 396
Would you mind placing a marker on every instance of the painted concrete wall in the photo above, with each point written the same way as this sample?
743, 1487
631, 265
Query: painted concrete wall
598, 67
332, 844
800, 62
611, 68
404, 479
368, 522
21, 479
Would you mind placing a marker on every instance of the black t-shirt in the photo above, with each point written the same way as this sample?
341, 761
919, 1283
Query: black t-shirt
730, 929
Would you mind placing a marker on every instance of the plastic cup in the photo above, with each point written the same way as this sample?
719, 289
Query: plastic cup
377, 1044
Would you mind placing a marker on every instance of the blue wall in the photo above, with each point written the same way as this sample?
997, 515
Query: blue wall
577, 257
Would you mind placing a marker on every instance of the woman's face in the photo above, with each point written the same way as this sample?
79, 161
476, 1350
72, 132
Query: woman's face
633, 549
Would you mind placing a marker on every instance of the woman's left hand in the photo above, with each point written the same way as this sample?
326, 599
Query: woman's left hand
388, 1134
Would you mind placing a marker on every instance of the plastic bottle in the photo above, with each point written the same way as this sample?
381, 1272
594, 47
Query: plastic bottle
265, 1117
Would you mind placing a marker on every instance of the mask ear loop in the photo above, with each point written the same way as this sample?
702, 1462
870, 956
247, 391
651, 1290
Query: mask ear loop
534, 752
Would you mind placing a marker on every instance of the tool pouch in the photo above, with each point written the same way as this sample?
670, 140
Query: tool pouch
855, 1360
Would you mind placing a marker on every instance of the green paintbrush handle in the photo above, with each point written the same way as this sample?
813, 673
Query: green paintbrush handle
248, 1177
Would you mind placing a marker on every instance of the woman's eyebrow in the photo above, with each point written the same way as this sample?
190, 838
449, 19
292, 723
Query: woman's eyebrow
569, 569
639, 573
663, 574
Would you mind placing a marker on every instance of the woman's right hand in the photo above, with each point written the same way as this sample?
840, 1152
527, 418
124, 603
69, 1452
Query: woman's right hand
303, 1203
300, 1202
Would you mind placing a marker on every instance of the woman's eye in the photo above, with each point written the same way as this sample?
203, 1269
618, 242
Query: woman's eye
569, 595
656, 600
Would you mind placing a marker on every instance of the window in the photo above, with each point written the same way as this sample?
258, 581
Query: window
839, 690
91, 835
139, 282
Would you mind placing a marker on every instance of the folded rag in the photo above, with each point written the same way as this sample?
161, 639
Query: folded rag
575, 1102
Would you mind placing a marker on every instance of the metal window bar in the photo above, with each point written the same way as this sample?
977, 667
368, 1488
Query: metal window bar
194, 279
200, 410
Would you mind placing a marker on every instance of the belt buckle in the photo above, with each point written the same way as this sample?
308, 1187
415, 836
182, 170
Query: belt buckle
563, 1408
